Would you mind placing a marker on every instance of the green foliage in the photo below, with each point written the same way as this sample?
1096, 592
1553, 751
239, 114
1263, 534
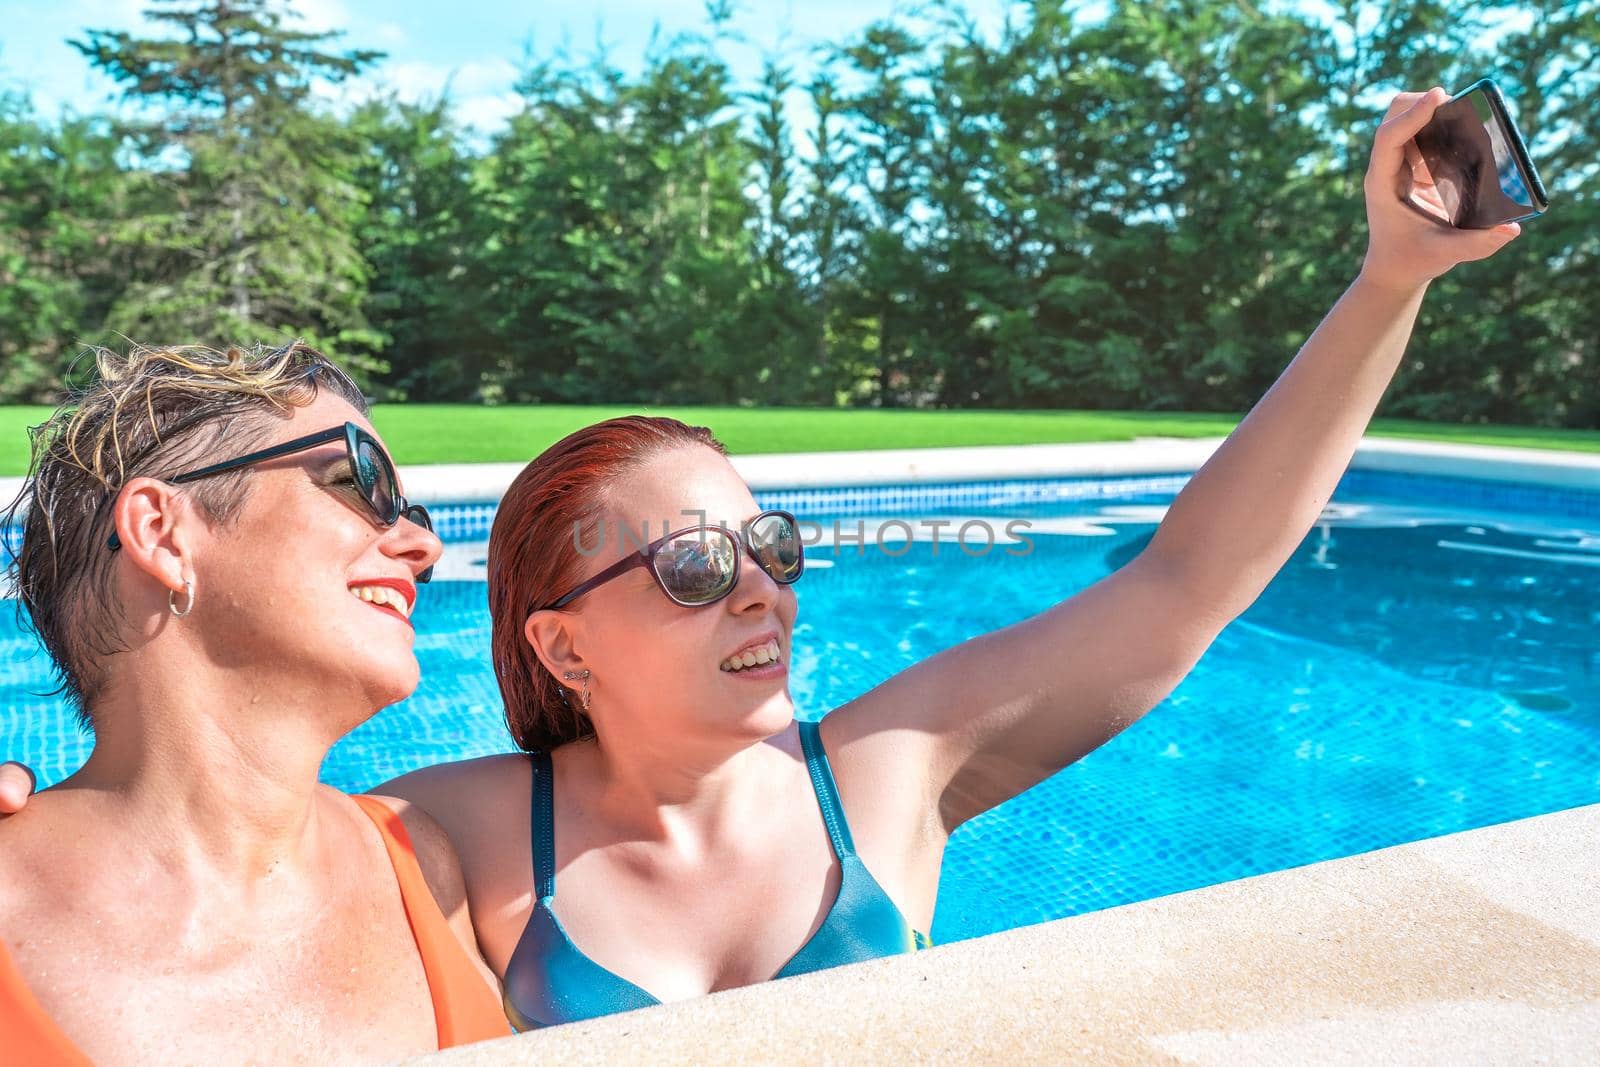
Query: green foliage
60, 189
419, 235
1137, 204
619, 242
241, 220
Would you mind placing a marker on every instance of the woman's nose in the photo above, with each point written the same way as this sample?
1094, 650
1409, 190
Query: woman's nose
416, 544
755, 588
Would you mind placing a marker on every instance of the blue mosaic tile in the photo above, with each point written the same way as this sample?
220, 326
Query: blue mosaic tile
456, 523
863, 500
1566, 502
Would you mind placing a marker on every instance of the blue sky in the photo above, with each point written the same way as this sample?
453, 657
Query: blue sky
475, 45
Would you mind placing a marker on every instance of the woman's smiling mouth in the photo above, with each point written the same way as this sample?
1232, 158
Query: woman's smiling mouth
389, 596
762, 660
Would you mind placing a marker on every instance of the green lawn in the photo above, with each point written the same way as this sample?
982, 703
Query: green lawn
443, 433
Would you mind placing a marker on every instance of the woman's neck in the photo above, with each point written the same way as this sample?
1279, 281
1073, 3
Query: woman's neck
700, 788
219, 780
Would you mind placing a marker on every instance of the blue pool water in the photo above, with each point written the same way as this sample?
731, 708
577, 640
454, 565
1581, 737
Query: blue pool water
1427, 662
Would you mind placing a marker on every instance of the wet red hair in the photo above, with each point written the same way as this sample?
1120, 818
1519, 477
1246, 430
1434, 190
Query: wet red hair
533, 558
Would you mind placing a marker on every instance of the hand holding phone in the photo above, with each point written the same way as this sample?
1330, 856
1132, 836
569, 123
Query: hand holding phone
1478, 161
1410, 238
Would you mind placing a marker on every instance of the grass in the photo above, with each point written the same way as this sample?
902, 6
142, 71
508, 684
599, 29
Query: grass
450, 433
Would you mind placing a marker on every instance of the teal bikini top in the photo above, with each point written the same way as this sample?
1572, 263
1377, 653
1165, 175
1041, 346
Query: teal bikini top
549, 980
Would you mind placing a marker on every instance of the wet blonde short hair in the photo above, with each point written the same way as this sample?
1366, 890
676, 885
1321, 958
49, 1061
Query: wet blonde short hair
146, 412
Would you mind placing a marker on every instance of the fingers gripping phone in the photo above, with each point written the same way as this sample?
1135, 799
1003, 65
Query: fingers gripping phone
1479, 162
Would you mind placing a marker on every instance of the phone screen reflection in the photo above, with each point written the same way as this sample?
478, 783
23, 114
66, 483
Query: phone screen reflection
1472, 166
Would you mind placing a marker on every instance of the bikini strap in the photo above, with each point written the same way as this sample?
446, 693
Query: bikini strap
542, 821
827, 790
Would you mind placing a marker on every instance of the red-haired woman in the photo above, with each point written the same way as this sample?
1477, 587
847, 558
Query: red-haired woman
700, 837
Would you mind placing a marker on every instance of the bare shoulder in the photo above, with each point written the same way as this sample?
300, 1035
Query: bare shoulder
48, 865
441, 869
28, 838
37, 903
482, 806
447, 790
885, 770
481, 803
436, 855
16, 875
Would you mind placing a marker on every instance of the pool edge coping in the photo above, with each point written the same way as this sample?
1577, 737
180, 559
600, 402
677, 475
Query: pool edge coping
1482, 945
483, 483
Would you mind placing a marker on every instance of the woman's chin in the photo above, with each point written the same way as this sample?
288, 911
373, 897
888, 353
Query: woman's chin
390, 683
769, 717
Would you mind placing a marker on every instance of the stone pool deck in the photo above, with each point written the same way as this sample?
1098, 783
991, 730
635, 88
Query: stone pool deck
1478, 947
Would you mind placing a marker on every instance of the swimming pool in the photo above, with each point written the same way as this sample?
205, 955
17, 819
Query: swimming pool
1427, 662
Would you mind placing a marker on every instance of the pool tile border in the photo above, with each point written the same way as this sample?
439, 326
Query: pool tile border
457, 523
1563, 484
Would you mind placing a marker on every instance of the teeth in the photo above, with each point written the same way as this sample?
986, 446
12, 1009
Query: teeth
382, 594
767, 653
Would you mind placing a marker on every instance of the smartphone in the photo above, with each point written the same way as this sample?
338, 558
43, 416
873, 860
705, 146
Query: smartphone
1479, 162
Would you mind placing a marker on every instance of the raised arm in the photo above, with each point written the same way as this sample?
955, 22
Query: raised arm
988, 718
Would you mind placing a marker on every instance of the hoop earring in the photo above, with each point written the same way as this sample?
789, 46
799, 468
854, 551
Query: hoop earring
188, 595
584, 676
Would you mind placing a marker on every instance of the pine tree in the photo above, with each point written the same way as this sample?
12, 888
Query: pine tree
243, 228
61, 191
420, 237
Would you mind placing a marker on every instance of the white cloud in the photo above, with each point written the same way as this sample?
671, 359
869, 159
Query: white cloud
416, 79
481, 91
487, 113
106, 14
389, 34
482, 94
321, 15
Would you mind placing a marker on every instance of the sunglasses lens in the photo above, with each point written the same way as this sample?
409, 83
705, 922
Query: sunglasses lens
698, 567
418, 514
776, 543
376, 478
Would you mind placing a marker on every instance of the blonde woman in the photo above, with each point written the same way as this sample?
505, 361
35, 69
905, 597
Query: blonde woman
217, 556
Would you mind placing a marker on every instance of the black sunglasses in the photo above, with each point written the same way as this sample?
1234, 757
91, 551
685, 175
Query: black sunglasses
369, 466
699, 565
